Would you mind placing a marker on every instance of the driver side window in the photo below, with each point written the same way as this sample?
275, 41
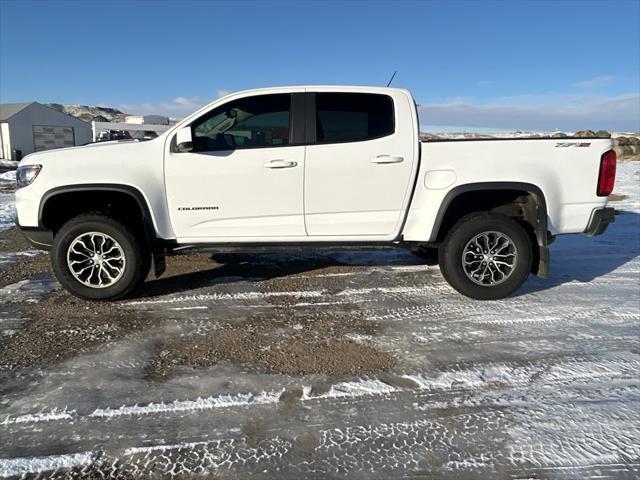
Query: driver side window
253, 122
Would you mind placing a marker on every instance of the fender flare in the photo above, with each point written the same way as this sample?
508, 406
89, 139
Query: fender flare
541, 215
104, 187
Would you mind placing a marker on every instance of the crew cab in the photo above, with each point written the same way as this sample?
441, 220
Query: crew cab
314, 166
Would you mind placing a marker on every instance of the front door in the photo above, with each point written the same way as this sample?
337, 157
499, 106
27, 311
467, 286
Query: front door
359, 170
243, 178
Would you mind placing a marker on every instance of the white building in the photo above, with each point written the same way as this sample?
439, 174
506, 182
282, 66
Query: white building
147, 119
32, 127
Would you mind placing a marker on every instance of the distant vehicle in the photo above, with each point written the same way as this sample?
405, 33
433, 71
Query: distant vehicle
110, 135
103, 137
312, 167
148, 135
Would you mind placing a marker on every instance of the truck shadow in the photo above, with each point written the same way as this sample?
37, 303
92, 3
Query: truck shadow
222, 268
574, 258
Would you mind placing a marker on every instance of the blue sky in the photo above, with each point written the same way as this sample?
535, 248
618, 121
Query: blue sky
499, 65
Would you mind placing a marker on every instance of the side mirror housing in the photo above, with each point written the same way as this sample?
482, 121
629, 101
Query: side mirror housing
184, 142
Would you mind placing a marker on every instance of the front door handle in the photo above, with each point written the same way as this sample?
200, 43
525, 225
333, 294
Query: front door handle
387, 159
280, 164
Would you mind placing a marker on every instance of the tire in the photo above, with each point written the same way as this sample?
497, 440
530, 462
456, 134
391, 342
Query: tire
117, 275
475, 281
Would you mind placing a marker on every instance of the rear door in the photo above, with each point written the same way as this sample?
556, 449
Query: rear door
360, 163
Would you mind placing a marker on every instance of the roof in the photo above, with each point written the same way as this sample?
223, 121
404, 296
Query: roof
311, 88
8, 110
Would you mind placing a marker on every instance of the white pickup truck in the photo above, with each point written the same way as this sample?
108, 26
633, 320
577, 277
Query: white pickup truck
314, 166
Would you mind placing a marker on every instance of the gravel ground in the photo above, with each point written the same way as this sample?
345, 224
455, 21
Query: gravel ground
360, 364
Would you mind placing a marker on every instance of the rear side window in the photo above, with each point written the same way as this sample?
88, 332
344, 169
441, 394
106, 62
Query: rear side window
353, 117
252, 122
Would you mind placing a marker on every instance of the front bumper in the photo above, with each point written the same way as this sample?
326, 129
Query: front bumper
600, 220
41, 238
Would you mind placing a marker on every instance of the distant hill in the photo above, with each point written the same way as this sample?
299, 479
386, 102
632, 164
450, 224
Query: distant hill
88, 113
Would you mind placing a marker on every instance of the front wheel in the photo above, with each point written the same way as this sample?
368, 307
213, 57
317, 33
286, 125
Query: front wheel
98, 258
486, 256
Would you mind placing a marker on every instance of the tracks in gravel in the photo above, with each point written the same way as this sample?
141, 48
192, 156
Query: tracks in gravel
462, 439
528, 388
480, 418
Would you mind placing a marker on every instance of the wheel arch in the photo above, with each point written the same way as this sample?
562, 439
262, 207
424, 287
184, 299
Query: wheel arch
534, 213
68, 192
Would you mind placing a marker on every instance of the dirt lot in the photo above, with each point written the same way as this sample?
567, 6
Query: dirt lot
360, 364
278, 342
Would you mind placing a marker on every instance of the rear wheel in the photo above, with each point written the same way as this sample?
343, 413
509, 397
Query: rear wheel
98, 258
486, 256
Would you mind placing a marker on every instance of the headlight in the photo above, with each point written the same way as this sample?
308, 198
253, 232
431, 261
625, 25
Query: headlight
27, 174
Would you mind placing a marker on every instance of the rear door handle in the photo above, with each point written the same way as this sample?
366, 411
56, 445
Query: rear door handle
280, 164
387, 159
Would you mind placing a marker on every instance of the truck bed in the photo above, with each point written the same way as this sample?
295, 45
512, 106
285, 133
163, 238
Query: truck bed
565, 169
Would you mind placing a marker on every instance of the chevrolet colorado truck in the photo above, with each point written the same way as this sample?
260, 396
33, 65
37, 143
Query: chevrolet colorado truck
312, 166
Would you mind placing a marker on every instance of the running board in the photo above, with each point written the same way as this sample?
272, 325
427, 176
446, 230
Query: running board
286, 247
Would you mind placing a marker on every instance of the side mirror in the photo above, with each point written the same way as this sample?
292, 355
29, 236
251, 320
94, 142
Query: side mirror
184, 142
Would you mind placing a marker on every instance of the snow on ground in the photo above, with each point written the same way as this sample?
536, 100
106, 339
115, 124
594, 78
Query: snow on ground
541, 385
7, 201
7, 258
624, 134
9, 164
628, 183
8, 177
7, 211
27, 290
19, 467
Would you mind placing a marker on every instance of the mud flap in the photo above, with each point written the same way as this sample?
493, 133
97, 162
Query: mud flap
543, 262
542, 267
159, 262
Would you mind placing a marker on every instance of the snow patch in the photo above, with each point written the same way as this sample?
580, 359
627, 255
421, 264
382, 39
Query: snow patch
627, 183
155, 448
392, 290
11, 257
39, 417
197, 307
27, 290
359, 337
7, 211
422, 290
9, 163
222, 401
228, 296
314, 304
24, 465
356, 388
8, 177
7, 201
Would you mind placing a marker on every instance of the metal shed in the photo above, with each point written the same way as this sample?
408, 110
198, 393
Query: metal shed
32, 127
